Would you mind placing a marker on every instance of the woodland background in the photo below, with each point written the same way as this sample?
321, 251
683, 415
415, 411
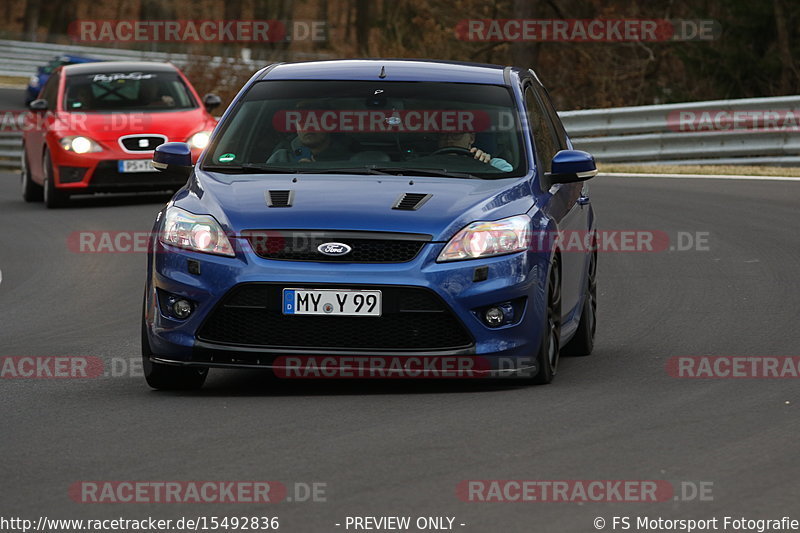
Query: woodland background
756, 53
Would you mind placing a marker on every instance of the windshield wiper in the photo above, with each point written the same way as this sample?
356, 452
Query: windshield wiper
405, 171
249, 168
353, 170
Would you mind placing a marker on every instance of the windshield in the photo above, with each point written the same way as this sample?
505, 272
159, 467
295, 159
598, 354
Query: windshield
450, 129
127, 91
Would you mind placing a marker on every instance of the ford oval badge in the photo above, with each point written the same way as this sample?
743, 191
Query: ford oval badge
333, 248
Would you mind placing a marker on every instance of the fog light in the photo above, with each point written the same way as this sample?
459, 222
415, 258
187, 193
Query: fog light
494, 316
181, 309
71, 174
499, 315
175, 306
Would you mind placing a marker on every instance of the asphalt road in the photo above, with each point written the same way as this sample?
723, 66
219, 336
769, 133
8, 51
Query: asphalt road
401, 448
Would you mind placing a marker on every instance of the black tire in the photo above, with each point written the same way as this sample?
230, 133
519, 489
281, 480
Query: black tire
31, 192
53, 197
582, 343
168, 377
549, 349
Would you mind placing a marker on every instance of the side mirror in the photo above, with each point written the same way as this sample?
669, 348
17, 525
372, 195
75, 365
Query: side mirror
173, 158
211, 102
38, 105
570, 166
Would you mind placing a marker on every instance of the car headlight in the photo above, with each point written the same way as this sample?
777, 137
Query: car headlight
200, 233
79, 144
200, 139
33, 81
485, 239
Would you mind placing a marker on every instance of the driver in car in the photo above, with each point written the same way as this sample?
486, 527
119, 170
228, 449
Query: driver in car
150, 95
465, 140
79, 97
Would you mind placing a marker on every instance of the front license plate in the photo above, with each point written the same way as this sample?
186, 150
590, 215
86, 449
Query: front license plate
331, 302
135, 165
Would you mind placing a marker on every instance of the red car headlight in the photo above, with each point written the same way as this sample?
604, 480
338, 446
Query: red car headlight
79, 144
199, 140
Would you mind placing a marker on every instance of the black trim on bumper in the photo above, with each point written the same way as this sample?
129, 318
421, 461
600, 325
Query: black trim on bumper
107, 178
414, 320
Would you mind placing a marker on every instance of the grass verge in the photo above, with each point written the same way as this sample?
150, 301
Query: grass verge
701, 169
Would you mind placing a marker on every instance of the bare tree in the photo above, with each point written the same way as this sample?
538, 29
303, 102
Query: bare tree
524, 53
788, 68
362, 26
32, 9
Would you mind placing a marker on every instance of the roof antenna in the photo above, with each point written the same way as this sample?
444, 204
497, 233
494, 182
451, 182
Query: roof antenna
383, 72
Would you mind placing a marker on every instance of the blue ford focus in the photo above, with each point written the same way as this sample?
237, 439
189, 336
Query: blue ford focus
375, 218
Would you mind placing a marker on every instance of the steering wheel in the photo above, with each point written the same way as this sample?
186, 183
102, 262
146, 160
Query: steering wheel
457, 150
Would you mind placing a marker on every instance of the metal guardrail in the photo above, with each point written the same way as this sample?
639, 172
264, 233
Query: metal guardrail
655, 134
10, 150
642, 134
21, 58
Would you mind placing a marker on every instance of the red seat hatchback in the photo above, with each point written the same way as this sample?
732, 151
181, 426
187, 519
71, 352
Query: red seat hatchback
95, 126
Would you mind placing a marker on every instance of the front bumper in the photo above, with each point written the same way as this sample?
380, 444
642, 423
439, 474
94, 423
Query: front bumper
97, 172
253, 334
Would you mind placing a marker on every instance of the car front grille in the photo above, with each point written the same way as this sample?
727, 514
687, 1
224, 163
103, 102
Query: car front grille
413, 318
142, 143
365, 247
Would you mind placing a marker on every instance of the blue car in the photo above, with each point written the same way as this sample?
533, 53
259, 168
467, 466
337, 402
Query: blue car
375, 218
43, 73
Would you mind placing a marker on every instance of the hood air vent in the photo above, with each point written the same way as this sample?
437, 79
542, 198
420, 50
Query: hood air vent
280, 198
411, 201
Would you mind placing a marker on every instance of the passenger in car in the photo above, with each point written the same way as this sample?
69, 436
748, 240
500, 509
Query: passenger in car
312, 145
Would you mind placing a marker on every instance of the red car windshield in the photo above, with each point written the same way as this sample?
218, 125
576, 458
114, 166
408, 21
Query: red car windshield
127, 91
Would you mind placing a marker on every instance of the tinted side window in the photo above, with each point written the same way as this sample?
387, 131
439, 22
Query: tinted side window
50, 92
547, 104
544, 138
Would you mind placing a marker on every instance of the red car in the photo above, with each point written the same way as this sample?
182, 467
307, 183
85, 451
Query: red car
95, 126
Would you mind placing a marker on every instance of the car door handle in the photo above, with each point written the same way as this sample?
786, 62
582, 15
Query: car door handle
583, 200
